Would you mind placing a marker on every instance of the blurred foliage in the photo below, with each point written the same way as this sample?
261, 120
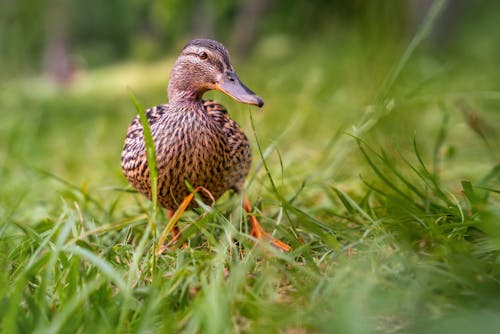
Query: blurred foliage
99, 32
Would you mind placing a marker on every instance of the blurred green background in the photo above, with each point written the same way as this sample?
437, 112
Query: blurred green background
320, 66
387, 71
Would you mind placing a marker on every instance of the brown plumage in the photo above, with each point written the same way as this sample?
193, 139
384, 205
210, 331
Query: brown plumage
195, 140
199, 144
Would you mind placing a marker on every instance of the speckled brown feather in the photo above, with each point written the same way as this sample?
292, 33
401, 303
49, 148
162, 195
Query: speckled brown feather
201, 145
196, 141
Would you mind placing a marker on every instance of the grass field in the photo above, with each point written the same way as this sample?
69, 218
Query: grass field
378, 164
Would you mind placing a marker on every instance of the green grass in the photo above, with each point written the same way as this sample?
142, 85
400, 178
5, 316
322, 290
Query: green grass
363, 162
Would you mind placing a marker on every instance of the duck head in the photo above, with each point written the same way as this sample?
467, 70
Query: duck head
204, 65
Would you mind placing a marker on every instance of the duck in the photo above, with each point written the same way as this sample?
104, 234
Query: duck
196, 141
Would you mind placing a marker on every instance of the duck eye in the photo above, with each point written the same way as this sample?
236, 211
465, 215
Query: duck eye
203, 55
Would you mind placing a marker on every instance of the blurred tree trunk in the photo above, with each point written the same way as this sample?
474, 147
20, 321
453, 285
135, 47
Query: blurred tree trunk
445, 24
203, 20
245, 27
57, 63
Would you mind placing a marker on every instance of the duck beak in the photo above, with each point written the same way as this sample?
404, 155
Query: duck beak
231, 85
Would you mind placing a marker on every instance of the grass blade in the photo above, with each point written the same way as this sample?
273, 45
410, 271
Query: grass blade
423, 31
107, 269
150, 151
153, 170
71, 306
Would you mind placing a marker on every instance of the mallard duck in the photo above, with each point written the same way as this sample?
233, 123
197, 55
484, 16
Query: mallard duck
196, 141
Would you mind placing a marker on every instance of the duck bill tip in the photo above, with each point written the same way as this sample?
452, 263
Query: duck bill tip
238, 91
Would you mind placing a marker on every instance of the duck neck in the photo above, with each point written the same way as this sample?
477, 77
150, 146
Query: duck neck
183, 87
176, 96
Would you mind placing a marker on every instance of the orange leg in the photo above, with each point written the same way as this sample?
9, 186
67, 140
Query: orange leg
174, 218
258, 232
176, 233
